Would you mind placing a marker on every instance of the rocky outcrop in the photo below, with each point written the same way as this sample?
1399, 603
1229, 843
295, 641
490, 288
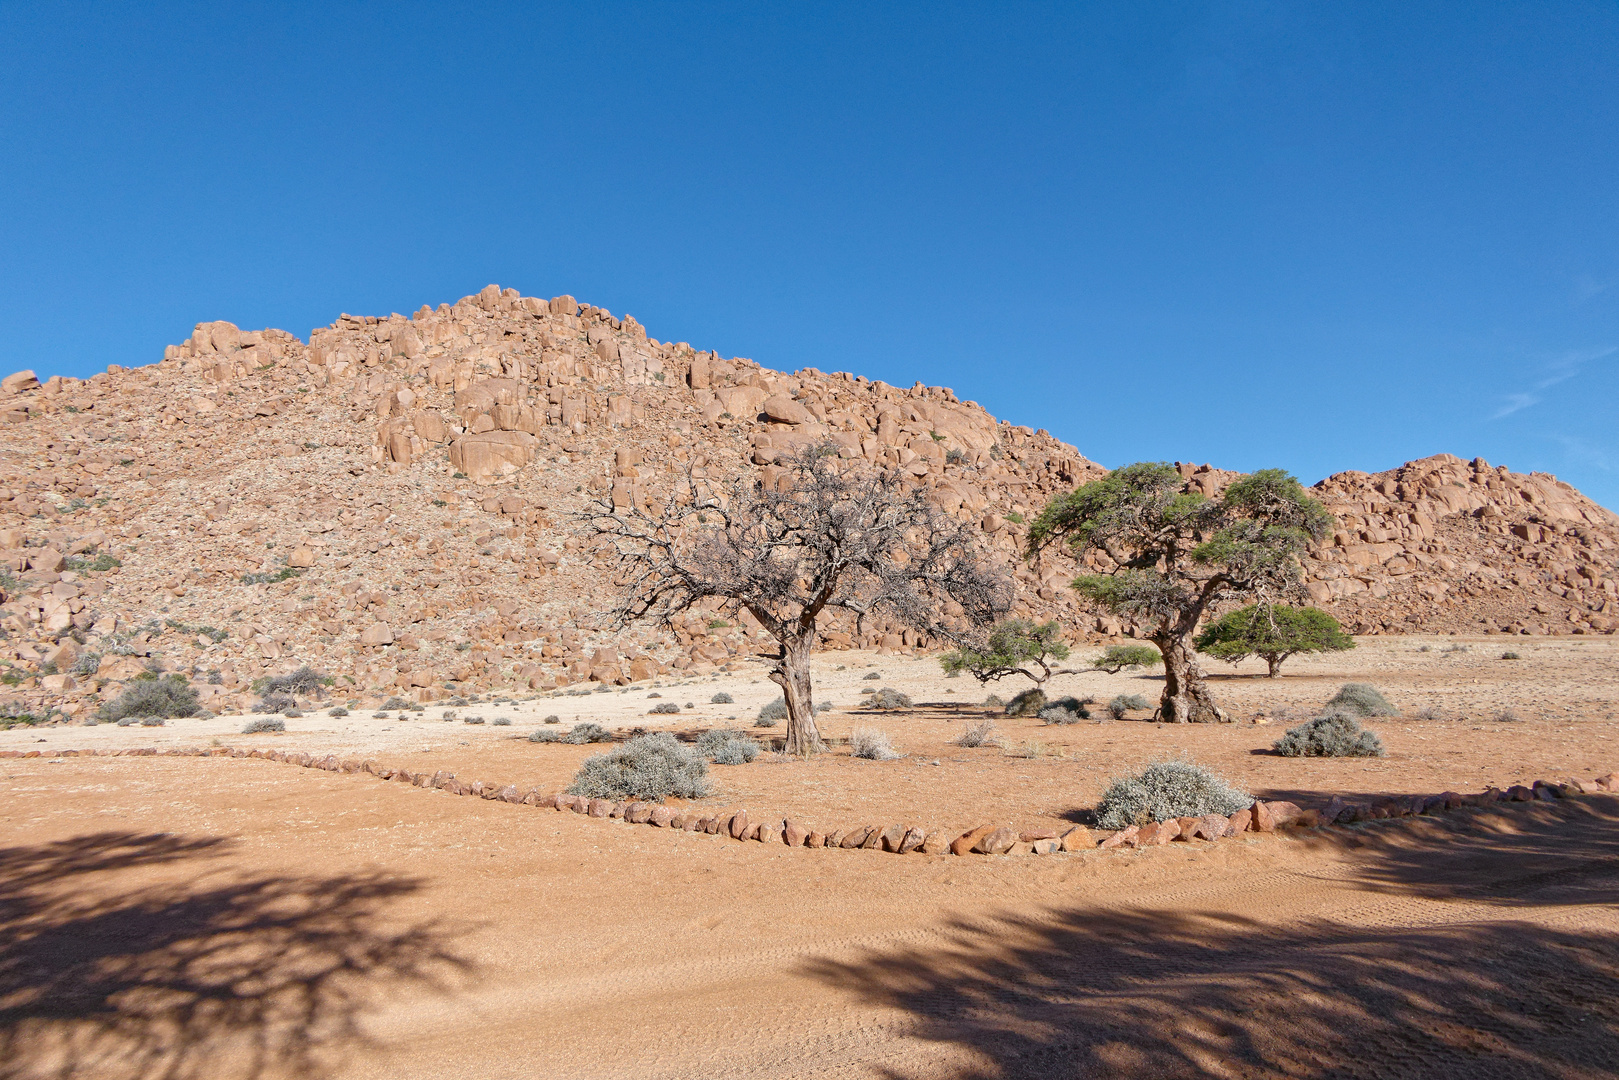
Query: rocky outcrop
253, 502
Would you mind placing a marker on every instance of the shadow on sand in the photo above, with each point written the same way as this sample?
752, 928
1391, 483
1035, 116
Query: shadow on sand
1475, 986
254, 977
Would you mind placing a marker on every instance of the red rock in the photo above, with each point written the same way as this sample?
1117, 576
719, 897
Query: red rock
1607, 783
768, 833
998, 842
892, 837
737, 827
793, 834
599, 808
874, 839
913, 839
1167, 831
1216, 827
1146, 835
638, 813
1078, 838
1190, 828
1284, 813
660, 816
1048, 846
815, 839
1263, 819
1545, 792
1519, 793
1240, 821
1124, 836
968, 840
1029, 836
1022, 847
834, 839
936, 842
855, 837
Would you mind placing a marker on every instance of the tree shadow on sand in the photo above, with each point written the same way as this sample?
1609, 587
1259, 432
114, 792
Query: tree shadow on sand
1466, 987
254, 977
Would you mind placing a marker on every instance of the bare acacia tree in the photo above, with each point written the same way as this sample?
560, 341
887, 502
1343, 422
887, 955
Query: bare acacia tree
830, 535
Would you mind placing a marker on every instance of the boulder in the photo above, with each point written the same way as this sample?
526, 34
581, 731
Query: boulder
17, 382
784, 410
1126, 835
1078, 838
377, 634
968, 840
936, 842
737, 827
793, 834
488, 456
998, 842
1049, 846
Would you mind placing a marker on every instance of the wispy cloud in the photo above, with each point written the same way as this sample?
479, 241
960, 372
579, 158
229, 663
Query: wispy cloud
1588, 453
1561, 369
1586, 287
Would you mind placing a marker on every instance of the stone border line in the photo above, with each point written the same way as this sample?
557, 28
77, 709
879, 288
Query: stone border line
1260, 817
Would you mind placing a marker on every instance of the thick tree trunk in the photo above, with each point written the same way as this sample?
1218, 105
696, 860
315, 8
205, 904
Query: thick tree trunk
1186, 697
1274, 661
792, 674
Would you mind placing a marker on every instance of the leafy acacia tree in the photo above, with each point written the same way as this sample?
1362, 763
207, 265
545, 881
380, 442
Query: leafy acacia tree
1115, 658
1164, 556
1273, 632
1014, 647
837, 535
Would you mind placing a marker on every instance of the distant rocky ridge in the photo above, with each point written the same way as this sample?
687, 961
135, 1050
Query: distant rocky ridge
391, 503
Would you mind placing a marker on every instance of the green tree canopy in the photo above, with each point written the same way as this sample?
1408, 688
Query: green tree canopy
1273, 632
1163, 556
1013, 647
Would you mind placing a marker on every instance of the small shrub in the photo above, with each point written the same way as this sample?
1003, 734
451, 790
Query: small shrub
261, 724
1510, 655
542, 735
825, 706
654, 694
1505, 716
588, 732
1456, 647
552, 719
126, 721
152, 721
772, 713
1125, 703
889, 698
1334, 734
994, 702
1030, 748
1067, 710
1428, 712
502, 721
339, 711
648, 767
722, 698
275, 703
664, 708
1361, 700
872, 744
727, 747
473, 720
86, 664
1167, 789
1028, 703
168, 696
980, 734
872, 676
292, 713
399, 703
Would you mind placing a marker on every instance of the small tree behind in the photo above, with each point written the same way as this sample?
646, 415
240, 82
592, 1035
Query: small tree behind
1273, 632
1116, 658
1164, 556
1014, 647
830, 535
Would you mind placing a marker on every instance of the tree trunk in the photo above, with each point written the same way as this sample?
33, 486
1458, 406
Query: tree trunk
792, 674
1274, 660
1186, 696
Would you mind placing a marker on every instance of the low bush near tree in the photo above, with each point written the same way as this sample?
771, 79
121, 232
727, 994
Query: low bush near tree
1168, 789
1117, 658
648, 767
1334, 734
1361, 700
872, 744
724, 747
1124, 703
588, 732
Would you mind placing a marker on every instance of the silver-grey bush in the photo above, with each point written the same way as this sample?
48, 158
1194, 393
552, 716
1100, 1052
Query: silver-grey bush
1168, 789
648, 767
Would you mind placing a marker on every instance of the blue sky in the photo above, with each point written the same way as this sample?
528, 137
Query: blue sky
1319, 236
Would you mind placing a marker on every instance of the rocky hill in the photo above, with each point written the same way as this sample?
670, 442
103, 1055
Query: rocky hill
391, 503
